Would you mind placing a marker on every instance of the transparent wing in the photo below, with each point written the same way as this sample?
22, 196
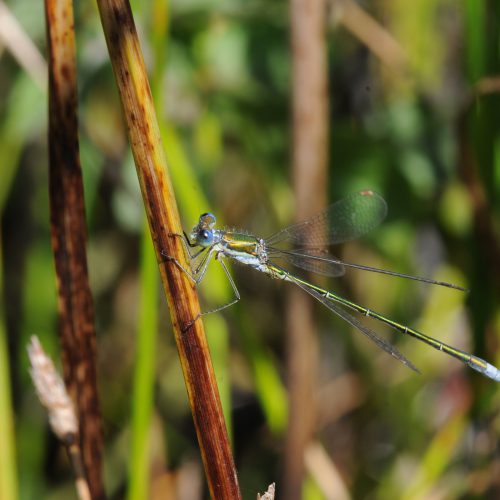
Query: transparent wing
345, 220
316, 260
354, 322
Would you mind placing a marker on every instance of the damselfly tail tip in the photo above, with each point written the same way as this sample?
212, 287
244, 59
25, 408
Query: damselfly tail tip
485, 368
492, 372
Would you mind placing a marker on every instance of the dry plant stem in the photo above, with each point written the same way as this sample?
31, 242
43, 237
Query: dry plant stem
325, 473
18, 42
369, 31
162, 213
301, 373
309, 158
338, 398
67, 213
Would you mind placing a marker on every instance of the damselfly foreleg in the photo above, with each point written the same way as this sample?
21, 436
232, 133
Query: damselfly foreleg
231, 281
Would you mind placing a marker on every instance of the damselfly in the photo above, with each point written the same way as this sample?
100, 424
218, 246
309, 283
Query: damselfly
305, 245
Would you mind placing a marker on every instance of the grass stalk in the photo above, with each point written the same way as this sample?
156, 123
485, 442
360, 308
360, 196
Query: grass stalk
144, 370
309, 171
69, 235
164, 223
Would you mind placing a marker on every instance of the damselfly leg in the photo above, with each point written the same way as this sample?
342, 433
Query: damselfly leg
198, 273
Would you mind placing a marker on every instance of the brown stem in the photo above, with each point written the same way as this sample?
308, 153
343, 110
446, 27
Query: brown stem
163, 218
67, 214
309, 158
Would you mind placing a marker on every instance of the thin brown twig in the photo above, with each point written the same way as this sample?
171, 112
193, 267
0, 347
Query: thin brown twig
164, 223
370, 32
69, 235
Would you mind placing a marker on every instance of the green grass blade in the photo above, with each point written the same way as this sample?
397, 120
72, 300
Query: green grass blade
8, 477
144, 371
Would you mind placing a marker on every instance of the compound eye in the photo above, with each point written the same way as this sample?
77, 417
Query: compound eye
205, 237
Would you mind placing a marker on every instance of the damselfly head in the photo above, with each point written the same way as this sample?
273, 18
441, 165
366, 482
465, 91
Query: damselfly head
202, 234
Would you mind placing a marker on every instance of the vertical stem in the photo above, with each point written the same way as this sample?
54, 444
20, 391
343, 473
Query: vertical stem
163, 218
309, 159
69, 235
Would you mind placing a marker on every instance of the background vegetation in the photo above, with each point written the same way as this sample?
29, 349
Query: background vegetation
418, 121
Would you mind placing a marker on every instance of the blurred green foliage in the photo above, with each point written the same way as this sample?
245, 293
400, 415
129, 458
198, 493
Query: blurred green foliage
221, 79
